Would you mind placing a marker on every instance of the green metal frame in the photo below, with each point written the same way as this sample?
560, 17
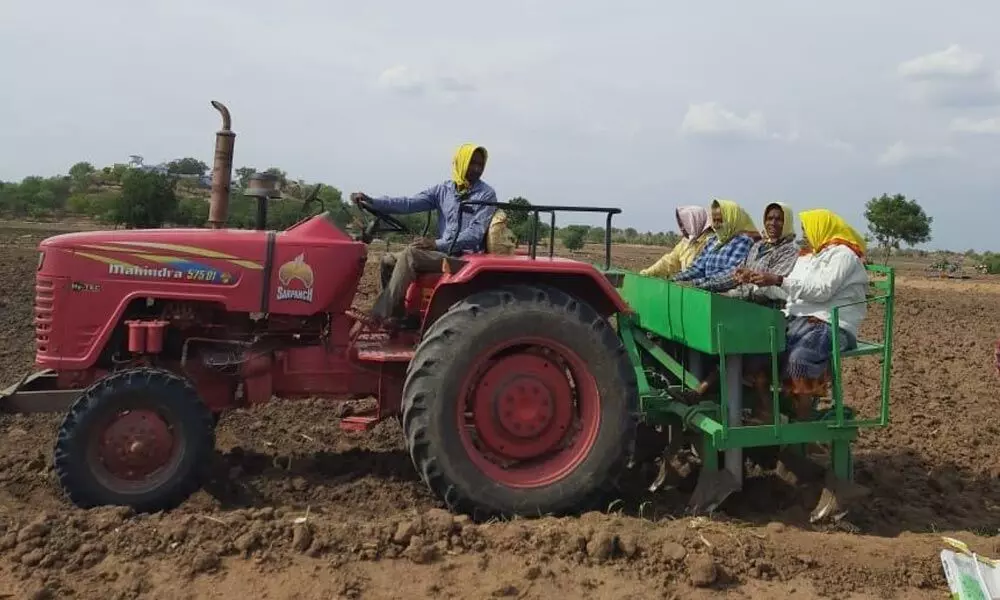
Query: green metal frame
720, 326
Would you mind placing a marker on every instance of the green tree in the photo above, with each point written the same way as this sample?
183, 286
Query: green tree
573, 236
282, 175
115, 173
243, 175
186, 166
81, 172
894, 219
147, 200
191, 212
519, 218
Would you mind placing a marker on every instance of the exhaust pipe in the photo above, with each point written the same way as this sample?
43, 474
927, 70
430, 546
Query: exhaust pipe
222, 170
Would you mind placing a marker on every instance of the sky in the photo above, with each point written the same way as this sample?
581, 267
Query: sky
641, 104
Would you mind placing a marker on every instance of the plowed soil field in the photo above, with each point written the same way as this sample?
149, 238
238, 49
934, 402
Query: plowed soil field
299, 509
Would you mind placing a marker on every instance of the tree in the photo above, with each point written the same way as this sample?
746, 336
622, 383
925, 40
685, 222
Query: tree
519, 220
243, 175
279, 173
81, 171
147, 200
573, 236
186, 166
894, 219
191, 212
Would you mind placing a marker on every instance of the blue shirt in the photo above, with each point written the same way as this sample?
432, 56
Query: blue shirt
443, 198
717, 262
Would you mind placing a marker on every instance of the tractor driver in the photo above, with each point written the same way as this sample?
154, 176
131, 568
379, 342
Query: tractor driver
426, 255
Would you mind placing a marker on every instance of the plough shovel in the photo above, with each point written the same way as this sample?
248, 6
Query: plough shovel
837, 497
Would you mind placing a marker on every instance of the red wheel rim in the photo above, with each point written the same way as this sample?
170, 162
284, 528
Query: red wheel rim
135, 450
531, 412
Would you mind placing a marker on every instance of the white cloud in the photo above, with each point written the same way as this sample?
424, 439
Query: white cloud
837, 144
902, 153
952, 62
953, 77
402, 79
711, 119
985, 126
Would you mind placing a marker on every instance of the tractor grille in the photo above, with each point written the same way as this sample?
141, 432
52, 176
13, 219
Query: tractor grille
44, 299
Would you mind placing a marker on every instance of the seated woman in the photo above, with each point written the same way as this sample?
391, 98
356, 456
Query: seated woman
734, 234
695, 231
775, 254
831, 272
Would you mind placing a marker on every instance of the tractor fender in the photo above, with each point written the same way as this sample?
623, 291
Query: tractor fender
87, 358
580, 280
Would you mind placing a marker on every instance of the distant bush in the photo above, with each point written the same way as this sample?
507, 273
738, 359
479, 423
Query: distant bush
992, 262
573, 238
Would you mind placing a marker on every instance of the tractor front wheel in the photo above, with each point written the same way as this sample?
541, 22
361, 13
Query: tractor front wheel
520, 401
140, 438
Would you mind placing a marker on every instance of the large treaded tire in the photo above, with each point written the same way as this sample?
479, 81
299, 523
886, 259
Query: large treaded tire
178, 403
442, 361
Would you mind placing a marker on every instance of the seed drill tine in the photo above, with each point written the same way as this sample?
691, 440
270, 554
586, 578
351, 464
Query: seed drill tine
837, 497
840, 491
673, 444
714, 484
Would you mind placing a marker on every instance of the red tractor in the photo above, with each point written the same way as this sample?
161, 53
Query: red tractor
516, 394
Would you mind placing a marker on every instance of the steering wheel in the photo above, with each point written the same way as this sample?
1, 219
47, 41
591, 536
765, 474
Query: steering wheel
371, 228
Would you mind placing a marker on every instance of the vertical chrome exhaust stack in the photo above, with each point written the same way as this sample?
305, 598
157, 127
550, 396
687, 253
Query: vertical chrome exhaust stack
222, 170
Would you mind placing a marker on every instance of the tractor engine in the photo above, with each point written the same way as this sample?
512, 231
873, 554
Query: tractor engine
220, 352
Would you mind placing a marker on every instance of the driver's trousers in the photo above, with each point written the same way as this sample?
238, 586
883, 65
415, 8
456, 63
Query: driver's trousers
397, 272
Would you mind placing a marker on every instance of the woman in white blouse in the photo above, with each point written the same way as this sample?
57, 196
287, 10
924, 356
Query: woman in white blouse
830, 272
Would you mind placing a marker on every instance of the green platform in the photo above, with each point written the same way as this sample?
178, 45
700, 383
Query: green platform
700, 320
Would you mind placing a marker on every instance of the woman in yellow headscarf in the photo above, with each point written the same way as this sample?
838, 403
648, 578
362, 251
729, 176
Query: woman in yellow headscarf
727, 248
830, 272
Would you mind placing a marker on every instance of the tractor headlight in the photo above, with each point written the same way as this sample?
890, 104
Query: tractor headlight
41, 259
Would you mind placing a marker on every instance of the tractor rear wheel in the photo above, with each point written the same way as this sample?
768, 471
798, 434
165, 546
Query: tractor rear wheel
141, 438
520, 401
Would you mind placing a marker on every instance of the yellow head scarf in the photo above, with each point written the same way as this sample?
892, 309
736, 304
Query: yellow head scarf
787, 229
735, 220
460, 164
823, 227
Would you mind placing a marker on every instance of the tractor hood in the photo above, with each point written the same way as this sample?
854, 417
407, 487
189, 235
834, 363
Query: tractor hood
200, 250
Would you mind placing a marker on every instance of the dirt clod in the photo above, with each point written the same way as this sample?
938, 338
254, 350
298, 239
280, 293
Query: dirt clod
601, 547
205, 562
702, 571
302, 537
673, 551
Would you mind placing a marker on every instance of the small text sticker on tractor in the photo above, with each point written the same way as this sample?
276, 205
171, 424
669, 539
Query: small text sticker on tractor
295, 280
86, 286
